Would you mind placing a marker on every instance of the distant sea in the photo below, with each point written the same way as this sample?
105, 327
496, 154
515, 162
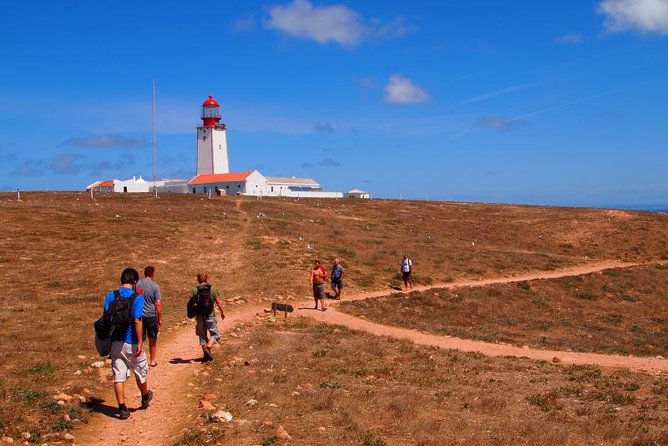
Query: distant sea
646, 208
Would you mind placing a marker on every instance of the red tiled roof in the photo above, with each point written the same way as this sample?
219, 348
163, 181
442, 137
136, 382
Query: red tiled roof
220, 178
105, 183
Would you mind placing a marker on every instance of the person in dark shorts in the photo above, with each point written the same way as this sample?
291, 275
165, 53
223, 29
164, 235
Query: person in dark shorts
406, 270
337, 278
152, 311
207, 324
317, 277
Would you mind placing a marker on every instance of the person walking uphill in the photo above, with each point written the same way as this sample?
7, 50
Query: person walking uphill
337, 278
152, 319
205, 297
124, 309
317, 277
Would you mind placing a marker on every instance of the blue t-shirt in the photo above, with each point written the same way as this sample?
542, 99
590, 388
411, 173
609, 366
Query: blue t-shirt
130, 336
337, 272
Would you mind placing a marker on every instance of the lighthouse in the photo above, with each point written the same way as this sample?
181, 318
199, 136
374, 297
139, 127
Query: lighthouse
212, 155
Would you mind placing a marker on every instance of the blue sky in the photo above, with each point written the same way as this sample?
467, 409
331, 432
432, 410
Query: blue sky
551, 102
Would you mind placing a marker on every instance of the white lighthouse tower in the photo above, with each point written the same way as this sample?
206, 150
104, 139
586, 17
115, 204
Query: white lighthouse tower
212, 155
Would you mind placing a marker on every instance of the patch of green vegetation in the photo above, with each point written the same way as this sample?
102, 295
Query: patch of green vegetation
330, 385
53, 284
628, 298
587, 295
28, 396
525, 285
43, 369
371, 439
615, 318
611, 272
539, 301
52, 406
61, 425
269, 441
346, 253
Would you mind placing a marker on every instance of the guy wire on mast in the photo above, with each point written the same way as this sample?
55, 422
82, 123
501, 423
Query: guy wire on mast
153, 145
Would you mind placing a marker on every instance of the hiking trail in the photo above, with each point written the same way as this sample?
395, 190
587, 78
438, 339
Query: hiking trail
174, 380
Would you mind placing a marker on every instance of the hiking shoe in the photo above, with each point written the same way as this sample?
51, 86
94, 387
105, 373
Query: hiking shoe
207, 356
123, 414
146, 399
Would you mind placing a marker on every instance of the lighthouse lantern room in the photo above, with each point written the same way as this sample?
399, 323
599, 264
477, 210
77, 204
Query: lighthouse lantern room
212, 157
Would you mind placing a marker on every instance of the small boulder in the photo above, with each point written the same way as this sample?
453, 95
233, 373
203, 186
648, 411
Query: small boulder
222, 417
209, 397
63, 397
7, 440
97, 364
68, 437
282, 434
206, 405
251, 403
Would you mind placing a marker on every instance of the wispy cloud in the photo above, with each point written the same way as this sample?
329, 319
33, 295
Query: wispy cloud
500, 122
108, 141
401, 90
323, 127
65, 164
506, 123
307, 165
646, 16
330, 24
328, 162
570, 38
30, 168
495, 93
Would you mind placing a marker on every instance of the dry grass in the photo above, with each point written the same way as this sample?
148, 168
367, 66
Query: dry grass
353, 388
61, 252
616, 311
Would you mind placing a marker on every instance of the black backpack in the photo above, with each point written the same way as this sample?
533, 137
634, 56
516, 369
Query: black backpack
204, 300
119, 313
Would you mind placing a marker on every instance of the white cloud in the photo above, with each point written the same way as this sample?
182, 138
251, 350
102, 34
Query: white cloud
401, 90
648, 16
330, 24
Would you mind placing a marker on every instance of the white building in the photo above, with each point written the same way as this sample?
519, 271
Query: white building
357, 193
133, 184
255, 184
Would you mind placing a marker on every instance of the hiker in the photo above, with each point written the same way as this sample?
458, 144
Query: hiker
124, 308
207, 324
337, 278
152, 319
406, 270
317, 277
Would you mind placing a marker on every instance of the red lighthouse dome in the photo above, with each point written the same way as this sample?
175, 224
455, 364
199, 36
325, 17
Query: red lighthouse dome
210, 112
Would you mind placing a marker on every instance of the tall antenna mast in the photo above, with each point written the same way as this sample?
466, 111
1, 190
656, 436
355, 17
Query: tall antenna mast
153, 145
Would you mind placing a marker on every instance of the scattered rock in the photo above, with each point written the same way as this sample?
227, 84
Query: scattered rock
322, 429
68, 437
222, 416
272, 405
86, 391
7, 440
205, 374
81, 398
267, 423
210, 397
282, 434
206, 405
78, 372
81, 357
295, 393
97, 364
63, 397
26, 435
219, 380
336, 331
66, 417
61, 403
556, 360
251, 403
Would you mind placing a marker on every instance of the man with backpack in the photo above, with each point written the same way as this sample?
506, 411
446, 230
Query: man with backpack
123, 308
201, 305
152, 311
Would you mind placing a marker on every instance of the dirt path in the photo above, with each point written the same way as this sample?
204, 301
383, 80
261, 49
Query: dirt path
642, 364
161, 424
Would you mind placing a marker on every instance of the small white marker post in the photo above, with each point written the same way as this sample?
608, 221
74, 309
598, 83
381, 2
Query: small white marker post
18, 195
91, 193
